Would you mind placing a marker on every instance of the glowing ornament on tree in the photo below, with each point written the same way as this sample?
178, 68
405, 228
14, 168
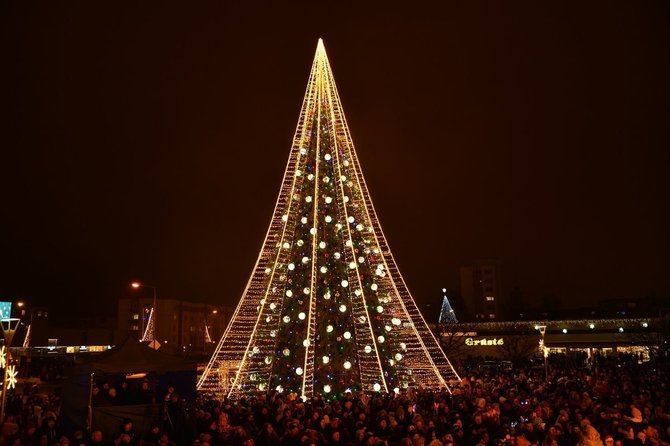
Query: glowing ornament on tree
312, 231
380, 309
347, 335
329, 200
286, 352
381, 339
344, 283
308, 198
289, 293
268, 360
329, 329
326, 388
324, 270
325, 359
329, 218
291, 266
367, 349
305, 343
303, 220
326, 295
352, 265
377, 387
298, 371
347, 365
305, 290
322, 245
398, 356
286, 319
286, 245
327, 156
373, 287
343, 308
396, 321
301, 316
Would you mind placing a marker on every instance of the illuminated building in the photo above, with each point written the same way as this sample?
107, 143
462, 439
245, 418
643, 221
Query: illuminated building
326, 309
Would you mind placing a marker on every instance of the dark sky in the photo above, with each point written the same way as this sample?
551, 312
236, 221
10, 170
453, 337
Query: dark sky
147, 141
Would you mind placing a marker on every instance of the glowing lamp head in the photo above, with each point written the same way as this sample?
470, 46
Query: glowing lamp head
135, 284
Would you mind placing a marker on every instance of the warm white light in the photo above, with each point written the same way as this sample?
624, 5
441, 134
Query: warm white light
374, 287
361, 260
308, 198
324, 270
289, 293
645, 324
310, 176
286, 352
273, 306
347, 365
329, 218
279, 389
312, 231
303, 220
343, 308
326, 295
286, 245
305, 259
305, 290
327, 156
352, 265
322, 245
403, 346
325, 359
268, 360
345, 283
377, 387
398, 356
381, 339
565, 330
592, 326
351, 219
347, 335
286, 319
291, 266
359, 227
298, 371
395, 321
387, 328
620, 329
367, 349
380, 309
329, 329
326, 388
349, 243
301, 316
284, 217
305, 343
329, 200
337, 255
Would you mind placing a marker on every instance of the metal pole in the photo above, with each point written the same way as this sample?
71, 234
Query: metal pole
155, 317
89, 418
4, 389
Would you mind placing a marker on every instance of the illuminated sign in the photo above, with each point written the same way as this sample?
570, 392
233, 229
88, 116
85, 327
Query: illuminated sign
484, 342
5, 310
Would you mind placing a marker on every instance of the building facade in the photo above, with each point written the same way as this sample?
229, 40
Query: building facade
180, 327
480, 290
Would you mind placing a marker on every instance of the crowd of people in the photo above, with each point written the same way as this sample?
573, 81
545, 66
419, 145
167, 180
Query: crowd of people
608, 404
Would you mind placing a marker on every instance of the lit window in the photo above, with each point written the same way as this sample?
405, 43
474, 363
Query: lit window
492, 316
136, 316
490, 298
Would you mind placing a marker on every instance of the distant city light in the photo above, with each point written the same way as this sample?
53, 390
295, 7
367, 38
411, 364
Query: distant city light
592, 326
565, 331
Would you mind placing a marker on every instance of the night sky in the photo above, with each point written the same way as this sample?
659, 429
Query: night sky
148, 141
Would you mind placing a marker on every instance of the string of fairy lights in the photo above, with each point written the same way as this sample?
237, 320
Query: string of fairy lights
325, 310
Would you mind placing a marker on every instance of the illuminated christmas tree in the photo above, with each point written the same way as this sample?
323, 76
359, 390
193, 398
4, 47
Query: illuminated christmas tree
326, 309
447, 314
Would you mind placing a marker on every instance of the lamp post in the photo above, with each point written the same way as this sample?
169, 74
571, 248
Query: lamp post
543, 347
9, 327
138, 285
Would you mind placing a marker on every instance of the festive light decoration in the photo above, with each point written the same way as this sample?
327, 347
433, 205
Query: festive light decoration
355, 312
12, 373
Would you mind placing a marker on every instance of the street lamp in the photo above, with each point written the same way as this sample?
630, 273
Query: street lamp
543, 348
9, 327
138, 285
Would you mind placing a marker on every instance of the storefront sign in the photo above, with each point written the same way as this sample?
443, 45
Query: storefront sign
485, 341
